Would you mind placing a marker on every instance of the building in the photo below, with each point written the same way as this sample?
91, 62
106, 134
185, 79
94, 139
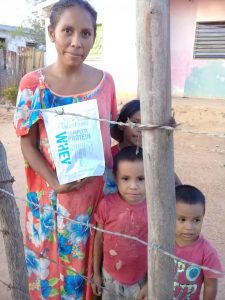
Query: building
18, 55
11, 38
197, 46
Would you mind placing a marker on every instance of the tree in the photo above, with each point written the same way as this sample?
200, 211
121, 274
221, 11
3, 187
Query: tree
34, 28
37, 24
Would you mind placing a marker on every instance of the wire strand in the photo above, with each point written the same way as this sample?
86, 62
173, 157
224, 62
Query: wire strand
169, 126
134, 238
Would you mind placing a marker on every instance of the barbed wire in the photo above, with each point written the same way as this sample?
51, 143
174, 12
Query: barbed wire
12, 179
41, 255
171, 126
11, 287
60, 111
152, 246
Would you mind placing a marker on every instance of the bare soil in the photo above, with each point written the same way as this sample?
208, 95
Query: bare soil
199, 160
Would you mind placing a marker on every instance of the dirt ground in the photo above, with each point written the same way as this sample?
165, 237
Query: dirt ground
199, 160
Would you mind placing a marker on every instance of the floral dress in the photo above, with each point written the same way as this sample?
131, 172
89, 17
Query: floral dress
48, 234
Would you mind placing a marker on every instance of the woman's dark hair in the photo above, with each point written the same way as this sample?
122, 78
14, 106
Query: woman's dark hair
59, 7
130, 153
126, 112
189, 194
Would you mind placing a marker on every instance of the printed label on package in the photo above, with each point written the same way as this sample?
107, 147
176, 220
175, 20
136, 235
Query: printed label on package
75, 141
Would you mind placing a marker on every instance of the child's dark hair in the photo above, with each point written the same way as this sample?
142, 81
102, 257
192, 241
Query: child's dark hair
59, 7
126, 112
189, 195
130, 153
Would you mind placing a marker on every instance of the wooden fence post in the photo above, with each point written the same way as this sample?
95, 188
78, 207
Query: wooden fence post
153, 49
12, 234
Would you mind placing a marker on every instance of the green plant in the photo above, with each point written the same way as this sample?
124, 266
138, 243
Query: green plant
10, 93
2, 45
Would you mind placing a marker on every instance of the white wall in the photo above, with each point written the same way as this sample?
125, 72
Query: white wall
119, 45
13, 42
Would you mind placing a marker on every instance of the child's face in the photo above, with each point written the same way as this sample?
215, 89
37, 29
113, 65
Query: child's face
132, 136
130, 181
189, 220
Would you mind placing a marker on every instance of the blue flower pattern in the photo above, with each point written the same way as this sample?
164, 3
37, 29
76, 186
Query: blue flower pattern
47, 222
33, 203
64, 247
78, 233
32, 262
45, 289
74, 285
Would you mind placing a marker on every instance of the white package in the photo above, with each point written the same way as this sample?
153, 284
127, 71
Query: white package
75, 142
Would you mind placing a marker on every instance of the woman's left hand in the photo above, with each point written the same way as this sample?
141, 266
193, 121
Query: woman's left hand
75, 185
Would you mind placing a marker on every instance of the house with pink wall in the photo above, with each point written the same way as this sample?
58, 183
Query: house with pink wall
197, 46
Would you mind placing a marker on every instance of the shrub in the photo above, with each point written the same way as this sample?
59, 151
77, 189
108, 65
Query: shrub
10, 93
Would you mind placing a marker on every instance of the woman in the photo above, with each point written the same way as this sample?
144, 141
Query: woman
68, 80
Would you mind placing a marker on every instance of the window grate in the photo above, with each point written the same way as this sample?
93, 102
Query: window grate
210, 40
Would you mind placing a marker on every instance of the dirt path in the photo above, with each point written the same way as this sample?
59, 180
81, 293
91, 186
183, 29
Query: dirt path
199, 160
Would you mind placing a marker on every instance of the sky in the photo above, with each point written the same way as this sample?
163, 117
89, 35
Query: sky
14, 12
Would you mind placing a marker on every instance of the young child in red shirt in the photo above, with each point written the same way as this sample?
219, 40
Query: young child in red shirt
124, 272
193, 247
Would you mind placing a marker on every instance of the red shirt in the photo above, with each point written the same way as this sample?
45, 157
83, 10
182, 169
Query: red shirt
115, 149
124, 259
189, 279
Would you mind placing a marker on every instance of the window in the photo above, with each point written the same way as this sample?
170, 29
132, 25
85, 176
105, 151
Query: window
2, 43
30, 44
96, 52
210, 40
3, 53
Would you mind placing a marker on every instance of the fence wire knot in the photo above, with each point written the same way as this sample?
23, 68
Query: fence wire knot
60, 112
12, 179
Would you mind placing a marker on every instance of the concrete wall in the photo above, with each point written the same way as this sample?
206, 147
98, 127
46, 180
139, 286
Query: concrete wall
207, 79
203, 78
182, 32
12, 42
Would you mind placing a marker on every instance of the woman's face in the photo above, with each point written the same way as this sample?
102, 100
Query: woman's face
73, 36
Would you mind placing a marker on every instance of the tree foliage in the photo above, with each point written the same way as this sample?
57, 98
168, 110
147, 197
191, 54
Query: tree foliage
37, 24
35, 29
2, 45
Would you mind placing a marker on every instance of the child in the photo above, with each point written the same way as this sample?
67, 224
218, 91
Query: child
124, 272
192, 246
127, 136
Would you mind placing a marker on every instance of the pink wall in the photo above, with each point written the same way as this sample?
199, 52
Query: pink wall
183, 18
211, 10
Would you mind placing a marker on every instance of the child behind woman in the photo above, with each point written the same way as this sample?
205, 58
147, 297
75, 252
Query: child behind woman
127, 136
124, 260
193, 247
